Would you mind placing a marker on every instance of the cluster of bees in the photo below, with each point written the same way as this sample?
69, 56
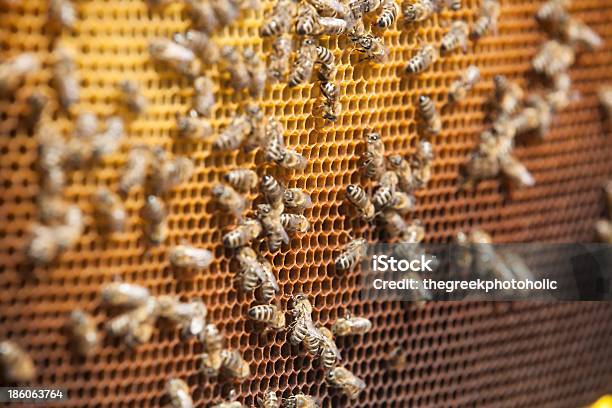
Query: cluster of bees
515, 113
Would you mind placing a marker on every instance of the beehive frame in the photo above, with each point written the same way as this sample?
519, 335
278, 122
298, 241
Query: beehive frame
459, 354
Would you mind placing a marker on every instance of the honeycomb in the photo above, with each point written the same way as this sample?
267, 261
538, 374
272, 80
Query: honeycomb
458, 354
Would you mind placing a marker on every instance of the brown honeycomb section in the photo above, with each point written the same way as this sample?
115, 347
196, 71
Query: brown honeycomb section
459, 354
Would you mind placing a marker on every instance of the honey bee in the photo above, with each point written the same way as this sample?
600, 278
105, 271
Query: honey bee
304, 63
296, 199
109, 141
16, 364
202, 15
516, 172
234, 365
135, 326
86, 125
306, 19
359, 198
349, 383
326, 72
279, 20
272, 190
193, 127
123, 294
234, 134
331, 26
211, 363
419, 11
237, 68
212, 339
275, 232
605, 100
200, 43
178, 391
52, 208
135, 170
422, 60
230, 199
388, 14
189, 317
430, 116
14, 70
320, 343
269, 400
577, 33
351, 325
184, 256
302, 319
169, 173
351, 254
258, 74
402, 202
252, 271
459, 88
175, 56
226, 11
300, 401
422, 163
204, 97
328, 110
65, 80
295, 223
457, 37
36, 102
278, 60
271, 315
536, 116
292, 160
230, 403
109, 210
135, 101
553, 58
83, 332
243, 234
329, 90
371, 46
553, 12
487, 21
508, 95
382, 197
269, 285
68, 233
242, 180
325, 56
154, 213
62, 13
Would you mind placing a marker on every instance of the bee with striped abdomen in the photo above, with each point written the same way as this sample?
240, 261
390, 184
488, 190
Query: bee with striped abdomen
303, 65
123, 294
278, 60
243, 180
243, 234
269, 286
419, 10
292, 160
200, 43
269, 400
135, 326
193, 127
351, 254
189, 317
234, 134
403, 171
422, 60
234, 365
457, 37
306, 19
359, 198
235, 65
382, 198
272, 190
487, 21
429, 115
271, 315
270, 219
202, 16
300, 401
176, 56
258, 74
279, 20
388, 14
167, 173
373, 160
371, 46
